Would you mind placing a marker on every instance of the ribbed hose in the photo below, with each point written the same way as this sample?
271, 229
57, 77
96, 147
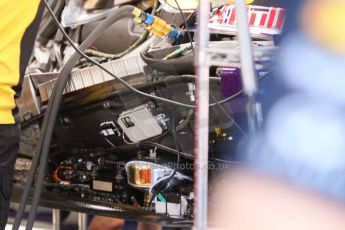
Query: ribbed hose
50, 118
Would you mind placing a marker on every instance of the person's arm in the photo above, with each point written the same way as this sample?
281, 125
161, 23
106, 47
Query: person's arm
19, 22
18, 28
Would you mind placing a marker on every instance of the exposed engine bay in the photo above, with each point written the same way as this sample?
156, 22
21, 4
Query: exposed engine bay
118, 153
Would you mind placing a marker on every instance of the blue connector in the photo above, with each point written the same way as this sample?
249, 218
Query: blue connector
149, 19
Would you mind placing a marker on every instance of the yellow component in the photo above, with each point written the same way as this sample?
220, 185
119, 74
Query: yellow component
157, 33
324, 22
158, 23
138, 20
166, 30
136, 12
218, 131
137, 175
161, 26
149, 28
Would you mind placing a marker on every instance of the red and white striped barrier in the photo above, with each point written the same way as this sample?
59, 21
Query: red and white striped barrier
262, 20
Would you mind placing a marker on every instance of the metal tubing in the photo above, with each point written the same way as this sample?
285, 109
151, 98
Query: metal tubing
250, 85
56, 214
202, 118
246, 50
82, 221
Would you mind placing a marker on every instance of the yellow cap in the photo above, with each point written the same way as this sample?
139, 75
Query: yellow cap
160, 26
218, 131
157, 32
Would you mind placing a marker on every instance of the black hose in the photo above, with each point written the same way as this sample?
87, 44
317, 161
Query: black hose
50, 118
186, 121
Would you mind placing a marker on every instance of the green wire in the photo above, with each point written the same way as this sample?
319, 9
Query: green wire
161, 198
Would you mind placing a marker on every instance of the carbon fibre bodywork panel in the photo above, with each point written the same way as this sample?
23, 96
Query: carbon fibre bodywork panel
63, 201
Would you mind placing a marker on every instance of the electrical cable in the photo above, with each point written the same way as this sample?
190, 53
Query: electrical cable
177, 146
26, 123
164, 148
184, 124
140, 40
194, 77
124, 140
230, 118
235, 95
178, 176
161, 179
56, 173
109, 142
238, 93
186, 26
167, 149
